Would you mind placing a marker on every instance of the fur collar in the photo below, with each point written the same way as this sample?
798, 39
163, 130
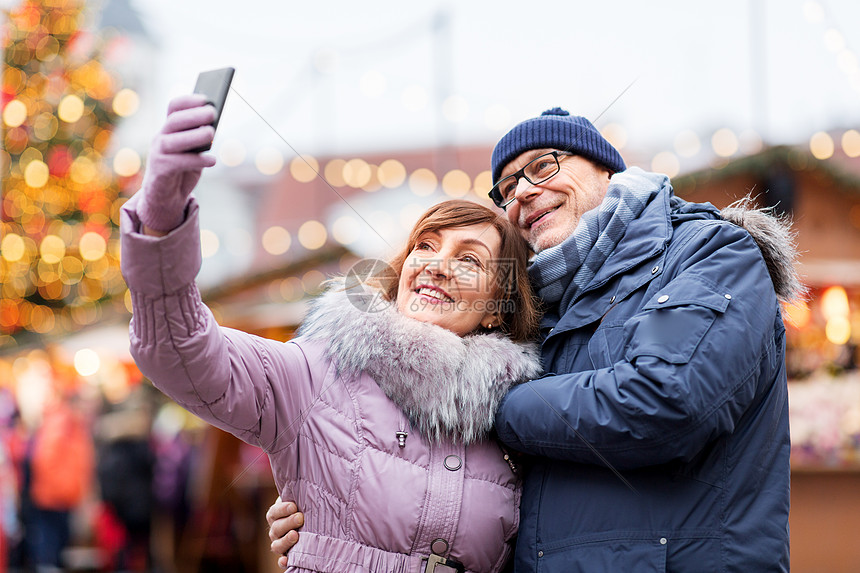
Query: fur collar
448, 386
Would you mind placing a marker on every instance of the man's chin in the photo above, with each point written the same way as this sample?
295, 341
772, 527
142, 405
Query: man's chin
545, 241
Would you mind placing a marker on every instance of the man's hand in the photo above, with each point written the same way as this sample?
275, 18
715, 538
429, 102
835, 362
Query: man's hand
284, 519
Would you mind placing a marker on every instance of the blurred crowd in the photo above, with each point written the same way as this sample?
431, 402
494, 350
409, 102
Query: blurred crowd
89, 483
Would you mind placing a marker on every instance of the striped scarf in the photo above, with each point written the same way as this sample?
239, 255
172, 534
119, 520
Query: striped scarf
599, 230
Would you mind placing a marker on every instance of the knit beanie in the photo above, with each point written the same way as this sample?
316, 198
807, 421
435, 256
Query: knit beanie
556, 129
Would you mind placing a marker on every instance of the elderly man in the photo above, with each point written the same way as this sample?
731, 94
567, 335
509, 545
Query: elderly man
658, 438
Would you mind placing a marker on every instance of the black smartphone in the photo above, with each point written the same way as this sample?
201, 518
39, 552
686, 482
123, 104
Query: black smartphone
214, 84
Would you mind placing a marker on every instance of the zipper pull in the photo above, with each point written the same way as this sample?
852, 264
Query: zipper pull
401, 438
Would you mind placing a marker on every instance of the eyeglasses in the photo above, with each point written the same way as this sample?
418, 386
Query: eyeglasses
535, 171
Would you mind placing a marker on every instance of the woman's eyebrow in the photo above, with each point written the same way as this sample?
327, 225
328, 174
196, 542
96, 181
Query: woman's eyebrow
474, 241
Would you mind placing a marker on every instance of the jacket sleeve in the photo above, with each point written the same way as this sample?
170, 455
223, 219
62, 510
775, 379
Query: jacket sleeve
249, 386
690, 367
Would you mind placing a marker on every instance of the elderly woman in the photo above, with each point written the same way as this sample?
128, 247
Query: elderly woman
376, 418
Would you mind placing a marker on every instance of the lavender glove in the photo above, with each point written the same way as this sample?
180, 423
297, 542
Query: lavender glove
171, 171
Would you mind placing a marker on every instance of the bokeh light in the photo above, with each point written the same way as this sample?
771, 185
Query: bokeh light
87, 362
724, 142
126, 102
209, 243
269, 161
304, 168
821, 145
687, 143
346, 230
126, 162
12, 247
312, 235
52, 249
334, 172
666, 162
456, 183
231, 152
276, 240
391, 173
15, 113
615, 134
838, 330
356, 173
834, 302
483, 183
36, 174
92, 246
71, 108
423, 182
851, 143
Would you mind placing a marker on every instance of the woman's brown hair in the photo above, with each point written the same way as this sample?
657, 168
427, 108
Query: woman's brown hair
518, 306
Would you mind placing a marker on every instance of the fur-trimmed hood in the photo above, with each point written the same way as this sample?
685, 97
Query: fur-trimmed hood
777, 243
448, 386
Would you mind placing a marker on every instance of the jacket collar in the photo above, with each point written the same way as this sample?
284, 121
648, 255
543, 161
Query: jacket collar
645, 241
448, 386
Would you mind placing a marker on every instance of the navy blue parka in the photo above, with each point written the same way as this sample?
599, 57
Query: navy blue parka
659, 434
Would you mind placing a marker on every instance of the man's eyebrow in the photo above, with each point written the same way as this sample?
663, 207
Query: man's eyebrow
530, 156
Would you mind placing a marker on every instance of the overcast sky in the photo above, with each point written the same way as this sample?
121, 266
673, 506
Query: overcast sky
345, 76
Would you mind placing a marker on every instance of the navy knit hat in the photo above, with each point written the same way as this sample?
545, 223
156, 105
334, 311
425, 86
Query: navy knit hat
556, 129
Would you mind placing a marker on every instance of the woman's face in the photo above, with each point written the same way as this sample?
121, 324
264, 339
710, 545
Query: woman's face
448, 278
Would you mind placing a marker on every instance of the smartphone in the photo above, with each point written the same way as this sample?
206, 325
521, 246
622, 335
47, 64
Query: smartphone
214, 84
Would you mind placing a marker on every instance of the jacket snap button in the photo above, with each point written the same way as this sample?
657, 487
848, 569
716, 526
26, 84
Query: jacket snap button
655, 269
663, 298
453, 463
439, 546
612, 299
728, 296
540, 553
663, 541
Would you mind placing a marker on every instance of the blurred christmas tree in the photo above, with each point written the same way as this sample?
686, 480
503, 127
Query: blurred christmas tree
60, 197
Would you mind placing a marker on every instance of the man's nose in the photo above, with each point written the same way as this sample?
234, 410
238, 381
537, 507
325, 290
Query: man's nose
525, 190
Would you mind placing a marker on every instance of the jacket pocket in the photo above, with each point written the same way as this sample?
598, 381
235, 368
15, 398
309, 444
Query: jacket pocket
607, 552
674, 321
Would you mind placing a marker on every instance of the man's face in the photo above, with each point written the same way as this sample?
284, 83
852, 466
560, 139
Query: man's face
546, 214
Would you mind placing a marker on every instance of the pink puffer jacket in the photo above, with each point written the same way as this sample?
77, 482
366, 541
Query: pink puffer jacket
331, 408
